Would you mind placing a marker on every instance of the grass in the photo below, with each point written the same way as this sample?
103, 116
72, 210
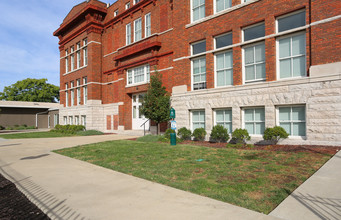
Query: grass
48, 134
257, 180
149, 138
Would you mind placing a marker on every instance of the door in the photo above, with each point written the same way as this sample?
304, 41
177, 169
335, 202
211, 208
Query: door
138, 117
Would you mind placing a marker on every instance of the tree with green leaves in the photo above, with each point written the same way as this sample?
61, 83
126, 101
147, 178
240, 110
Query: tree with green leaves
156, 103
31, 90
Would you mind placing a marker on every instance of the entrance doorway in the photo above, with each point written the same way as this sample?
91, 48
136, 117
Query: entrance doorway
138, 117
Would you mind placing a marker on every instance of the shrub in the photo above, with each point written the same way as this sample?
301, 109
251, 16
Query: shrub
2, 127
168, 132
184, 133
240, 136
89, 133
166, 136
219, 134
199, 134
68, 129
275, 134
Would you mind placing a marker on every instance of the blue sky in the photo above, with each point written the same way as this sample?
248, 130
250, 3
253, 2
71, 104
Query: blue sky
28, 48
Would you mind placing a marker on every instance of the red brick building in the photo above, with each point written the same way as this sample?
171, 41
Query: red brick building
240, 63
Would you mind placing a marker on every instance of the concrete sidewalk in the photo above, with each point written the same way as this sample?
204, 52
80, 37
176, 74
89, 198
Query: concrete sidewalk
66, 188
319, 197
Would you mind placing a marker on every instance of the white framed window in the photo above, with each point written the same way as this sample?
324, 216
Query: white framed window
128, 34
223, 117
127, 5
72, 94
65, 120
224, 68
254, 62
137, 29
85, 52
70, 120
136, 1
223, 40
198, 9
83, 118
66, 61
78, 54
291, 21
72, 58
138, 75
78, 92
85, 90
199, 73
56, 119
66, 95
253, 32
254, 120
148, 29
292, 119
198, 47
197, 119
76, 120
222, 5
116, 13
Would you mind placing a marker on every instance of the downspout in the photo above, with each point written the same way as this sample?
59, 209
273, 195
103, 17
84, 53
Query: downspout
40, 113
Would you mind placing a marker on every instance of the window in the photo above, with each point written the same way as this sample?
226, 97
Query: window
199, 47
148, 29
222, 4
198, 9
254, 62
76, 120
254, 121
66, 95
224, 69
291, 49
78, 55
83, 117
224, 117
198, 119
78, 92
85, 90
66, 61
291, 21
199, 73
65, 120
223, 40
72, 58
293, 120
115, 13
254, 32
56, 119
136, 1
128, 34
127, 5
72, 94
70, 120
139, 74
137, 29
85, 52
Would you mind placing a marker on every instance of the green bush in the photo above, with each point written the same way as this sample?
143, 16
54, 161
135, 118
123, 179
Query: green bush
89, 133
219, 134
168, 132
275, 134
199, 134
240, 136
68, 129
166, 136
2, 127
184, 134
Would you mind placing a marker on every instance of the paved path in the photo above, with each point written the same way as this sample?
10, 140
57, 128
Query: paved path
317, 198
66, 188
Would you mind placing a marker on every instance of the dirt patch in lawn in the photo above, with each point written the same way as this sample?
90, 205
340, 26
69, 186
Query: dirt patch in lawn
288, 148
14, 204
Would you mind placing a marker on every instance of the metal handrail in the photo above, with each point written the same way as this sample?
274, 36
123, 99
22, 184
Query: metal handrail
144, 127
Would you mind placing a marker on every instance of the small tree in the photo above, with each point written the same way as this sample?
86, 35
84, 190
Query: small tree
156, 103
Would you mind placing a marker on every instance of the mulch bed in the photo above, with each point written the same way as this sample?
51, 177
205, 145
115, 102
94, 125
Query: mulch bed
15, 205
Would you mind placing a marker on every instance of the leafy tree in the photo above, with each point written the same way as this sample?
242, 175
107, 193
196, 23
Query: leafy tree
156, 103
32, 90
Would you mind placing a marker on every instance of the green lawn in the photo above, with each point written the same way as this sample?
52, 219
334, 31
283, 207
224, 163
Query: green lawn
34, 135
257, 180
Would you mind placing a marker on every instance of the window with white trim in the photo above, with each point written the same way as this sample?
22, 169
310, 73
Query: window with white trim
293, 120
115, 13
198, 9
78, 54
65, 120
222, 5
223, 40
224, 117
198, 119
85, 52
224, 68
198, 66
72, 94
56, 119
66, 95
253, 32
254, 120
66, 61
148, 29
85, 90
137, 29
127, 5
291, 49
128, 34
138, 75
78, 92
76, 120
71, 120
83, 118
136, 1
72, 58
254, 62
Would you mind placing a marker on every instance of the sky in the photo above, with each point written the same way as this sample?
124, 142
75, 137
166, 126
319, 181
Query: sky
28, 48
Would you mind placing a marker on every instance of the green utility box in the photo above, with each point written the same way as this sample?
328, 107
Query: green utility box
173, 138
